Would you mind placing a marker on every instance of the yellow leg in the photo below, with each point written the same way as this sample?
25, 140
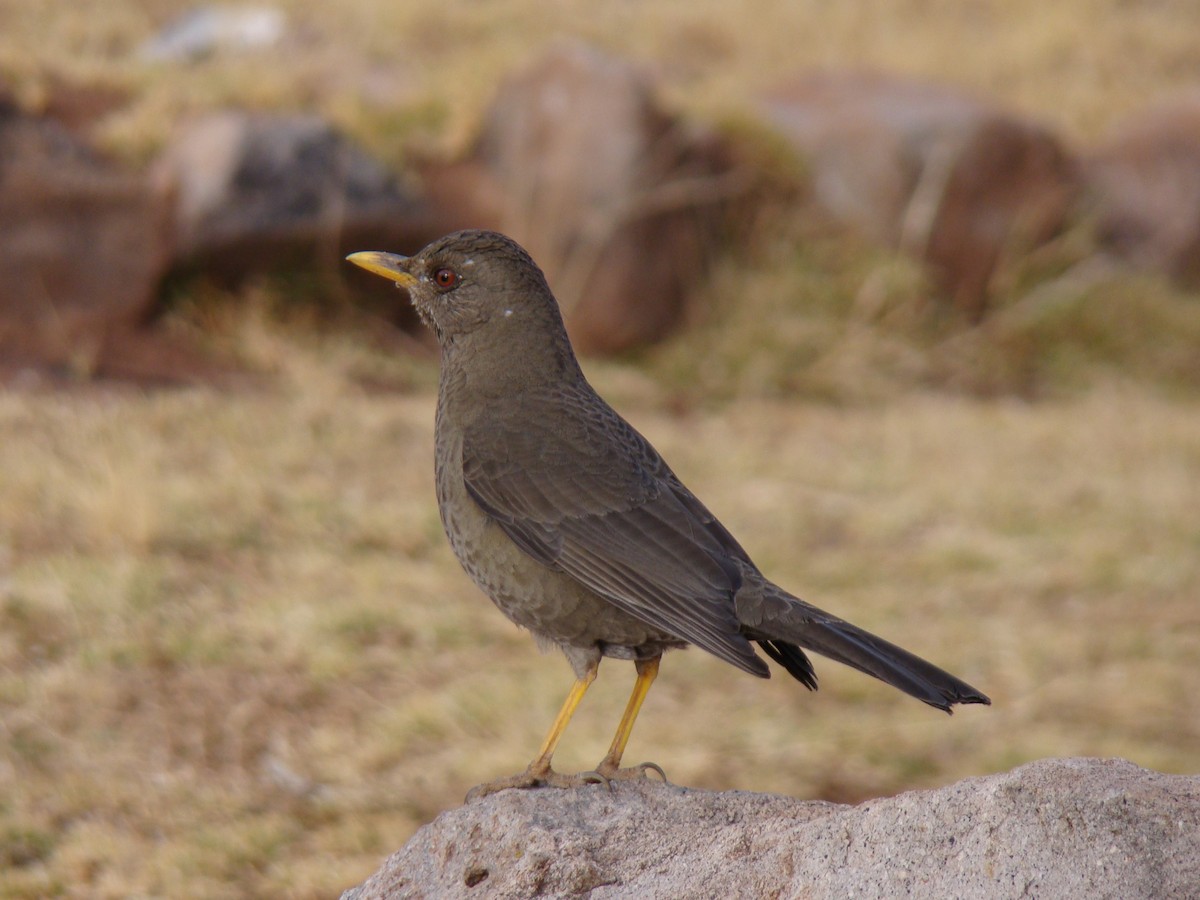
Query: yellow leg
539, 773
542, 761
647, 671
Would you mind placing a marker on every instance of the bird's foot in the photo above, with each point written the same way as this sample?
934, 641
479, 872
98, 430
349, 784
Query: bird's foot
608, 773
536, 777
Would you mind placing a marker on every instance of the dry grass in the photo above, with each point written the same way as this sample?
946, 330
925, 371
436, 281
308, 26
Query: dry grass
822, 317
382, 67
237, 658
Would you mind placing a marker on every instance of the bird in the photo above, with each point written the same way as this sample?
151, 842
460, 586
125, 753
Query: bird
573, 523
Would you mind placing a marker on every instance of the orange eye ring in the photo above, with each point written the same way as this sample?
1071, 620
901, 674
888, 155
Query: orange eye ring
445, 278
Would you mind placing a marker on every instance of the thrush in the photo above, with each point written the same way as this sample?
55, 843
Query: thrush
575, 526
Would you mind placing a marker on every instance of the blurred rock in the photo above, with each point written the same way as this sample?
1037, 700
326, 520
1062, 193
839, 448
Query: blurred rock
80, 105
207, 30
263, 193
1064, 828
1144, 182
85, 245
949, 179
619, 201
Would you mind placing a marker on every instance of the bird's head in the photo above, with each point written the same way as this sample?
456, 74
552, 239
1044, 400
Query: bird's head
467, 282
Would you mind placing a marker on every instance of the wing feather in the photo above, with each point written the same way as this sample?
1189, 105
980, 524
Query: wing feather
591, 498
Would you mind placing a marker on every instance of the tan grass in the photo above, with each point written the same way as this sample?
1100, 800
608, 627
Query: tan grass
378, 66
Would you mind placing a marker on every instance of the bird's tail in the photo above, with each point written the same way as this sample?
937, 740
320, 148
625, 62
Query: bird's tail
782, 624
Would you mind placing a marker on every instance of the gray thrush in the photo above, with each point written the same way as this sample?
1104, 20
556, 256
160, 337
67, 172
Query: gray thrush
572, 523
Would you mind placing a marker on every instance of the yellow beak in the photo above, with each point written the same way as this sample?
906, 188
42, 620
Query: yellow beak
389, 265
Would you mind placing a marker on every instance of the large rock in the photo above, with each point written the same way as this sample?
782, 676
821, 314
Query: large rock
84, 247
263, 193
80, 105
619, 201
1145, 184
948, 178
1057, 828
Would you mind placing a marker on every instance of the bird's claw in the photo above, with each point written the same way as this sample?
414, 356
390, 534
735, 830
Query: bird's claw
604, 774
611, 773
536, 778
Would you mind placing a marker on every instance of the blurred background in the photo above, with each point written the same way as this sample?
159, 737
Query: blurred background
908, 291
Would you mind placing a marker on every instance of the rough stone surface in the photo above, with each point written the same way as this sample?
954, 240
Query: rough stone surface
618, 201
939, 174
1056, 828
1145, 184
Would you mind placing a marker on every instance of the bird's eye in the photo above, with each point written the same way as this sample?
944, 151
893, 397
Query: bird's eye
445, 278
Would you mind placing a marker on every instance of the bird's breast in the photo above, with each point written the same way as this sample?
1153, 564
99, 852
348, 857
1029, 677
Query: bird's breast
548, 602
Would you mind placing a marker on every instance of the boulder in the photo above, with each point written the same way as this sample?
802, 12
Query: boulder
262, 193
204, 31
1062, 828
1144, 183
85, 246
81, 105
618, 200
950, 179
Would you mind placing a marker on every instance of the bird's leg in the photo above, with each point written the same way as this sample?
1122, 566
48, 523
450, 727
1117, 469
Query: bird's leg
610, 766
539, 773
541, 762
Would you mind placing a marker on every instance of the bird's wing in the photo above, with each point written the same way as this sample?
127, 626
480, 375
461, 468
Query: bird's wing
578, 489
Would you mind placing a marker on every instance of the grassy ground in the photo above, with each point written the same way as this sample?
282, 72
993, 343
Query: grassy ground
237, 658
381, 67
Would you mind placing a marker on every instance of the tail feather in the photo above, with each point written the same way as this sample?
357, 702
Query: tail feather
793, 660
782, 624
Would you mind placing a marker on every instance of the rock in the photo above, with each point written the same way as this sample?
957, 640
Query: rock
1144, 182
947, 178
619, 201
1056, 828
80, 105
262, 193
206, 30
85, 246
